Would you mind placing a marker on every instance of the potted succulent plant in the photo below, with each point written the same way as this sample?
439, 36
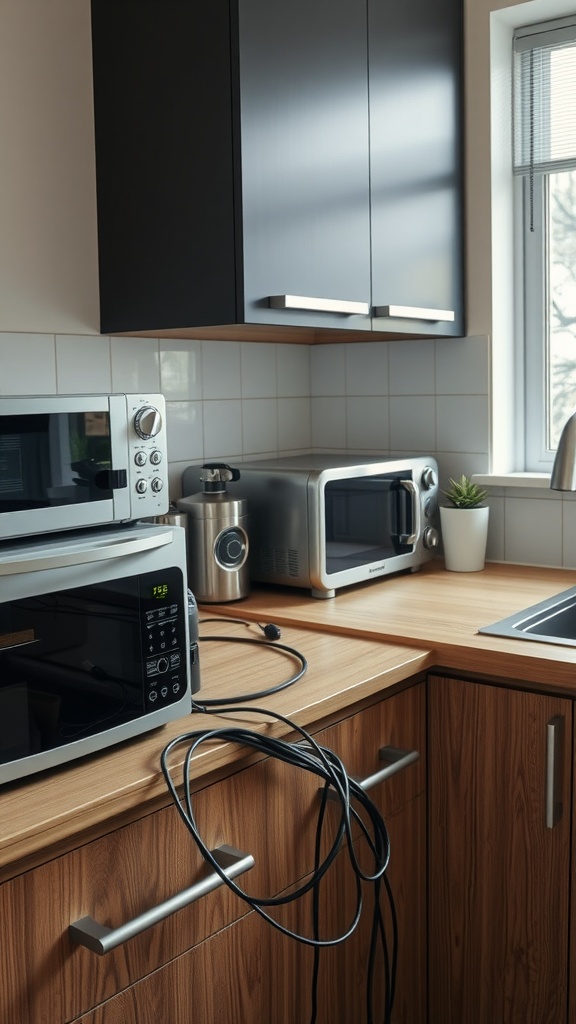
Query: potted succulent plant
464, 525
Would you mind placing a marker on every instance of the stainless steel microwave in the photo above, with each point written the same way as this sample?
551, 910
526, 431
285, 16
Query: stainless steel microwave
72, 461
94, 642
328, 521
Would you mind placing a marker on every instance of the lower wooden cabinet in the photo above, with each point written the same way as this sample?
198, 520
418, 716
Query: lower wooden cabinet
214, 961
499, 875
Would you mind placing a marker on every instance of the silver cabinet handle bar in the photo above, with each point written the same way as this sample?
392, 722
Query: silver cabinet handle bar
415, 313
318, 305
554, 759
100, 939
396, 758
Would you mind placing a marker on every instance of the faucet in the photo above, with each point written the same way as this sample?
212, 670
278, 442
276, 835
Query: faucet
564, 470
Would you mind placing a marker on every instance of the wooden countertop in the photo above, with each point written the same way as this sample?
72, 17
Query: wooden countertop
368, 638
48, 813
439, 611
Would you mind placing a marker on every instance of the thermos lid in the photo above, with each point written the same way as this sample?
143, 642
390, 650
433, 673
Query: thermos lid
214, 502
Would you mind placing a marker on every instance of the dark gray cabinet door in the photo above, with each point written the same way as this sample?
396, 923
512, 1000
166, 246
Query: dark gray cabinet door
304, 158
248, 150
416, 164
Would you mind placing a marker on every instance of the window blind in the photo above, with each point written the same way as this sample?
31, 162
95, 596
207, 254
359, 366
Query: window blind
544, 97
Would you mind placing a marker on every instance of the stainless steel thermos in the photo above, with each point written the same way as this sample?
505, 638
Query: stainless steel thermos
217, 526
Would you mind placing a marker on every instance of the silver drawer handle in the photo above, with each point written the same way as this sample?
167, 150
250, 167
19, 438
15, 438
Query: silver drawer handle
100, 939
554, 766
396, 760
415, 313
318, 305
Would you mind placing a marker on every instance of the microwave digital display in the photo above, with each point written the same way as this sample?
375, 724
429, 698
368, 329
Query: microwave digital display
78, 661
51, 459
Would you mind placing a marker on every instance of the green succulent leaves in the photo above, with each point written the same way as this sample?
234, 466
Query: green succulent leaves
463, 493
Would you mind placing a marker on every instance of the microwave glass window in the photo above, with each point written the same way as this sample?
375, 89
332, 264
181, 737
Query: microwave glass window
76, 662
367, 519
54, 459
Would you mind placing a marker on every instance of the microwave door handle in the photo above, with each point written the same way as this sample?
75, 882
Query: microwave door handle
90, 553
411, 538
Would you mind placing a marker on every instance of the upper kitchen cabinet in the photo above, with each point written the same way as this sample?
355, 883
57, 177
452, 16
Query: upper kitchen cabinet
277, 171
416, 163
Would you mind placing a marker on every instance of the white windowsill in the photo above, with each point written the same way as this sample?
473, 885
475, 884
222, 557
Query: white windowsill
512, 479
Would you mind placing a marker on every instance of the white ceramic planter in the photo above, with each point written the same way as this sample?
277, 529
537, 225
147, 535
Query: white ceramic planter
464, 536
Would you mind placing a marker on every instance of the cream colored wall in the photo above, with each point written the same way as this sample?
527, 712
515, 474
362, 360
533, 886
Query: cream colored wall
48, 249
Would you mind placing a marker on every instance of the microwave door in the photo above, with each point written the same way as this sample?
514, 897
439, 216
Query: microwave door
66, 466
368, 520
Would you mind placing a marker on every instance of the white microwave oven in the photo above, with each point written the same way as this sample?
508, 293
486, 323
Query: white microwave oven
325, 521
75, 461
95, 647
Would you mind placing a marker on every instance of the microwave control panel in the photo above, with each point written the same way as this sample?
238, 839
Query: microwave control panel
164, 646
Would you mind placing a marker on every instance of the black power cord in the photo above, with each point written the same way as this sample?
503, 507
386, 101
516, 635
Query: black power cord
310, 756
270, 643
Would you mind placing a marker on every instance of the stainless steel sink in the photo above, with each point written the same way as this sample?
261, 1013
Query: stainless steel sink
551, 622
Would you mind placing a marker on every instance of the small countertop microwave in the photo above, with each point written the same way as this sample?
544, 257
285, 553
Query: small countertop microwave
325, 521
72, 461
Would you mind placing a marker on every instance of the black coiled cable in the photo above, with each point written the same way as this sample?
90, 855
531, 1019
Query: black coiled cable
308, 755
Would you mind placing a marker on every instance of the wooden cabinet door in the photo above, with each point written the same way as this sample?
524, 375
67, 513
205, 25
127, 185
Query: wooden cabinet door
46, 978
416, 163
400, 722
249, 972
498, 876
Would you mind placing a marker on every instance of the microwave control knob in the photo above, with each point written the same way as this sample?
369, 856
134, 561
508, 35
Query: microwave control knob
147, 422
157, 484
141, 486
430, 538
429, 478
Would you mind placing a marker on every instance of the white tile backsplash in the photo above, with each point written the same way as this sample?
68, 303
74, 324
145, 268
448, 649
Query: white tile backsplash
328, 370
367, 424
83, 364
27, 364
185, 431
135, 365
462, 366
221, 369
294, 424
258, 370
462, 423
411, 368
293, 370
412, 423
367, 368
232, 400
329, 423
259, 426
222, 428
533, 531
181, 370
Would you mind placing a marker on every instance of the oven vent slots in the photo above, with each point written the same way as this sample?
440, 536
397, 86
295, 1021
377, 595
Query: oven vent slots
277, 561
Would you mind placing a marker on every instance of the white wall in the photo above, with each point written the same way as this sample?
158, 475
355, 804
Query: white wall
225, 399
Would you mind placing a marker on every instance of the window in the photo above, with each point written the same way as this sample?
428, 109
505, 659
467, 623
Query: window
544, 115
